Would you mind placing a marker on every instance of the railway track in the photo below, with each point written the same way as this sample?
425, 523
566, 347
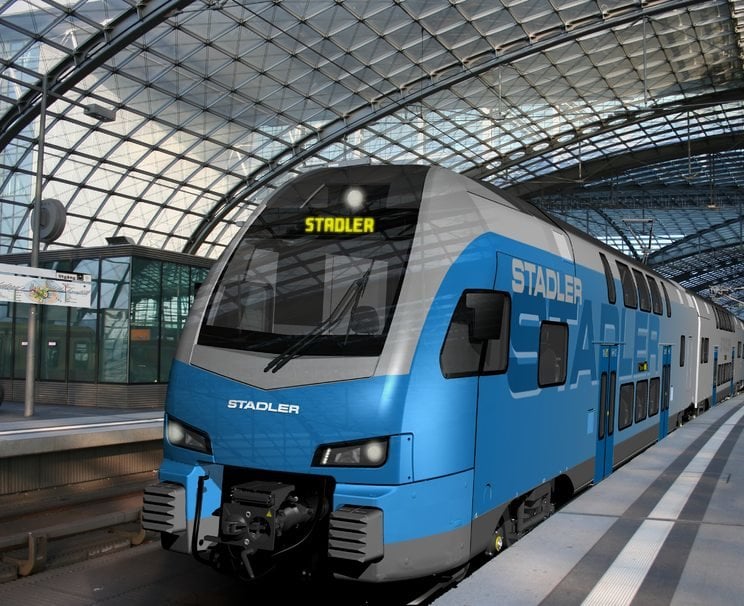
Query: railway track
50, 528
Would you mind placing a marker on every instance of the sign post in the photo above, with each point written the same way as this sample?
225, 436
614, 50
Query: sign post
33, 312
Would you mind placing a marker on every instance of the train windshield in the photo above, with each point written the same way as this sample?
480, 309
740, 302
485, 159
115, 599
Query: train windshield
320, 269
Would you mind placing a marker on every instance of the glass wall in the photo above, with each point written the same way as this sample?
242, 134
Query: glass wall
145, 316
7, 336
82, 353
179, 287
128, 334
113, 307
20, 332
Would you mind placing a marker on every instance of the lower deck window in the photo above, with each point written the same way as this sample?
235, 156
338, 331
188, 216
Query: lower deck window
654, 389
641, 399
625, 412
553, 354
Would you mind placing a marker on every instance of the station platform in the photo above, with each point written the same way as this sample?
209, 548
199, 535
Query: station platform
70, 469
666, 528
62, 427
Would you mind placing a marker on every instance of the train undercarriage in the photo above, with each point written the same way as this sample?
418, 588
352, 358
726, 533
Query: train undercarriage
270, 521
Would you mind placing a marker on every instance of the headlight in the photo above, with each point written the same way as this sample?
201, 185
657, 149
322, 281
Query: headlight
364, 453
185, 436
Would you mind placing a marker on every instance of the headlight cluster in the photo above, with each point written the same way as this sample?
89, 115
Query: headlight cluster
185, 436
364, 453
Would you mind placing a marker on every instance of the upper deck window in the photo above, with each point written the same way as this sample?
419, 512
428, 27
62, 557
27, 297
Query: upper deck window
655, 296
644, 298
611, 296
630, 295
667, 300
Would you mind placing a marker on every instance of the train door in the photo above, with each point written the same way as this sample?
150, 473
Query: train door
666, 374
714, 398
606, 414
731, 372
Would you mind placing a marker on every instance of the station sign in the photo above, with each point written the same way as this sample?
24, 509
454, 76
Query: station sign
44, 286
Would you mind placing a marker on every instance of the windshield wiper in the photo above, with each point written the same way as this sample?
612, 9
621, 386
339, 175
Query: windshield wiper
349, 301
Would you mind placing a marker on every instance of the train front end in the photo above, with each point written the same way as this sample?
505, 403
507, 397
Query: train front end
285, 444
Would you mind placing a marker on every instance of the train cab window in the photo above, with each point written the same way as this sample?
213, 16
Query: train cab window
654, 390
625, 411
682, 350
641, 400
704, 349
477, 340
629, 288
655, 296
668, 301
553, 354
644, 298
496, 356
611, 297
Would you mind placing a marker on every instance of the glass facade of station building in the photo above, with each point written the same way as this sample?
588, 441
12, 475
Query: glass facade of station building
118, 352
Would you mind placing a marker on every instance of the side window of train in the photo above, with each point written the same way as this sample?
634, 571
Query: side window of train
641, 400
655, 296
704, 348
553, 354
629, 288
668, 301
682, 350
496, 356
625, 412
644, 299
477, 340
654, 391
611, 297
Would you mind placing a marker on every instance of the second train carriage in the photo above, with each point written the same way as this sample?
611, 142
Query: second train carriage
393, 369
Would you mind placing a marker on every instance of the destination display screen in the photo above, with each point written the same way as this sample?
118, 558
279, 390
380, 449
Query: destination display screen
339, 225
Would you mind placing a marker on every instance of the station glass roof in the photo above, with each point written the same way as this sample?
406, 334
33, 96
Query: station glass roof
167, 121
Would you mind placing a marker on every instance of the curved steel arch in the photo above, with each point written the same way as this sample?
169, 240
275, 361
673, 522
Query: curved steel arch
357, 119
668, 254
91, 54
598, 168
620, 232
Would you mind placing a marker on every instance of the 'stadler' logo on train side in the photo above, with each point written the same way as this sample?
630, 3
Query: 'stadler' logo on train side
537, 280
339, 225
287, 409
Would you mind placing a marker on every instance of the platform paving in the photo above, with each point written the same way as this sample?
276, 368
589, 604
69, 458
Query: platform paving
666, 528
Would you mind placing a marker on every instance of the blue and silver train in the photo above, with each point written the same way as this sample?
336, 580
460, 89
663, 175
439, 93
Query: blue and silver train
394, 369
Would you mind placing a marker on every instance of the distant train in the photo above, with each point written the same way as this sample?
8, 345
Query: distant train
394, 369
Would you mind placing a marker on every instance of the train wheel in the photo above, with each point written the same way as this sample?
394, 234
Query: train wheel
498, 541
